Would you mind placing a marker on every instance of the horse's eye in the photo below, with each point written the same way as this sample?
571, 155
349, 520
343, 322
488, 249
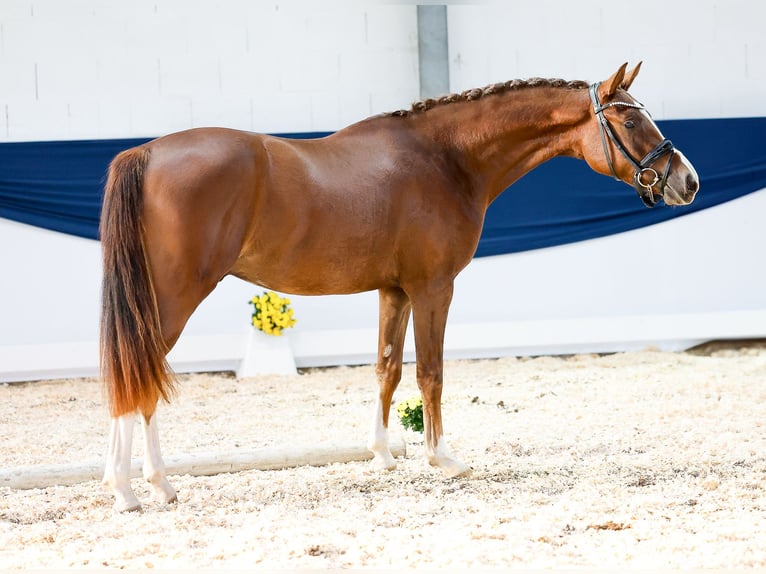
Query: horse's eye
629, 124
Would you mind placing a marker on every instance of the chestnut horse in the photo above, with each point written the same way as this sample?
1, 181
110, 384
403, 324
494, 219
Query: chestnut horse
394, 203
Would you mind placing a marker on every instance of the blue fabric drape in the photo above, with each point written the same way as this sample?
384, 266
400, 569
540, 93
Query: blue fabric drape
58, 186
563, 201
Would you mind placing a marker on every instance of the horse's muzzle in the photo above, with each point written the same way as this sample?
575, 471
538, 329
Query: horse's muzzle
677, 186
673, 197
683, 183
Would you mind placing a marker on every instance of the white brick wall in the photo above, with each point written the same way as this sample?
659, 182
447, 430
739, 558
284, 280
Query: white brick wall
111, 68
702, 58
100, 69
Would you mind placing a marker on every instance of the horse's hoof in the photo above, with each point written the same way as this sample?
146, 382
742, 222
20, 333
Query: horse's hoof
127, 507
164, 493
459, 470
383, 463
452, 468
124, 500
162, 499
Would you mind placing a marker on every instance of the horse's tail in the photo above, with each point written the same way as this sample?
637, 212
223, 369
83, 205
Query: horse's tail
133, 363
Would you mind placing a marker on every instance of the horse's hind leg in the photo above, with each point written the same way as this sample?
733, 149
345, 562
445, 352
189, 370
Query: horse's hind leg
394, 314
118, 463
154, 466
174, 311
430, 319
117, 470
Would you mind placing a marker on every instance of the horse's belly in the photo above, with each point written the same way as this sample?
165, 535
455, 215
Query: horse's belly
317, 275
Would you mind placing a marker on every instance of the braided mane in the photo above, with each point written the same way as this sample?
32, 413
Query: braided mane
477, 93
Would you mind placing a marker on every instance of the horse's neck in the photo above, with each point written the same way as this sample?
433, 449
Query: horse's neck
504, 136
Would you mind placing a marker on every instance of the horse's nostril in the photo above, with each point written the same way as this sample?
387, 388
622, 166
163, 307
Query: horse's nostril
692, 184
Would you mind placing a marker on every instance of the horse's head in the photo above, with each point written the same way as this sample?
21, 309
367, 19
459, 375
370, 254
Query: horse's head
622, 140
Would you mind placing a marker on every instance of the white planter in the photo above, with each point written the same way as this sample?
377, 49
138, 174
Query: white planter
267, 355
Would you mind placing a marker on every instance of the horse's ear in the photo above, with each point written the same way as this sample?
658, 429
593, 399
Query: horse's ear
630, 76
607, 88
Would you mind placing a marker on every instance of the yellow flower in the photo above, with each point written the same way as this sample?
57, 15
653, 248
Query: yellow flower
411, 413
271, 313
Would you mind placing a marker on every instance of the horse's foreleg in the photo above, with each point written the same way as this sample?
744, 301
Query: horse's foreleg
394, 315
430, 320
154, 466
117, 469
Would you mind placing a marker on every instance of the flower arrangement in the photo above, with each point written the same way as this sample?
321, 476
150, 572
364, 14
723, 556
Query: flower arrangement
411, 413
271, 313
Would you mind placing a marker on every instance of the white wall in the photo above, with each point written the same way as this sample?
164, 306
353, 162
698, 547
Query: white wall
101, 69
702, 59
106, 69
97, 69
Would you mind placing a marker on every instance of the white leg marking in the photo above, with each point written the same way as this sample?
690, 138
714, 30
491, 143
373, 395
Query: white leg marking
442, 457
117, 468
378, 442
154, 466
439, 454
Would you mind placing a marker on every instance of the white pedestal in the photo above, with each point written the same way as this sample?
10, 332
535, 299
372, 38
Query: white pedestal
267, 355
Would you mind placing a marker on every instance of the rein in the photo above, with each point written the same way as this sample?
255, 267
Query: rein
644, 190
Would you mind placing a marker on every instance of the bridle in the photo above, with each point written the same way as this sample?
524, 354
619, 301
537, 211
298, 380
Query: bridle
642, 167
